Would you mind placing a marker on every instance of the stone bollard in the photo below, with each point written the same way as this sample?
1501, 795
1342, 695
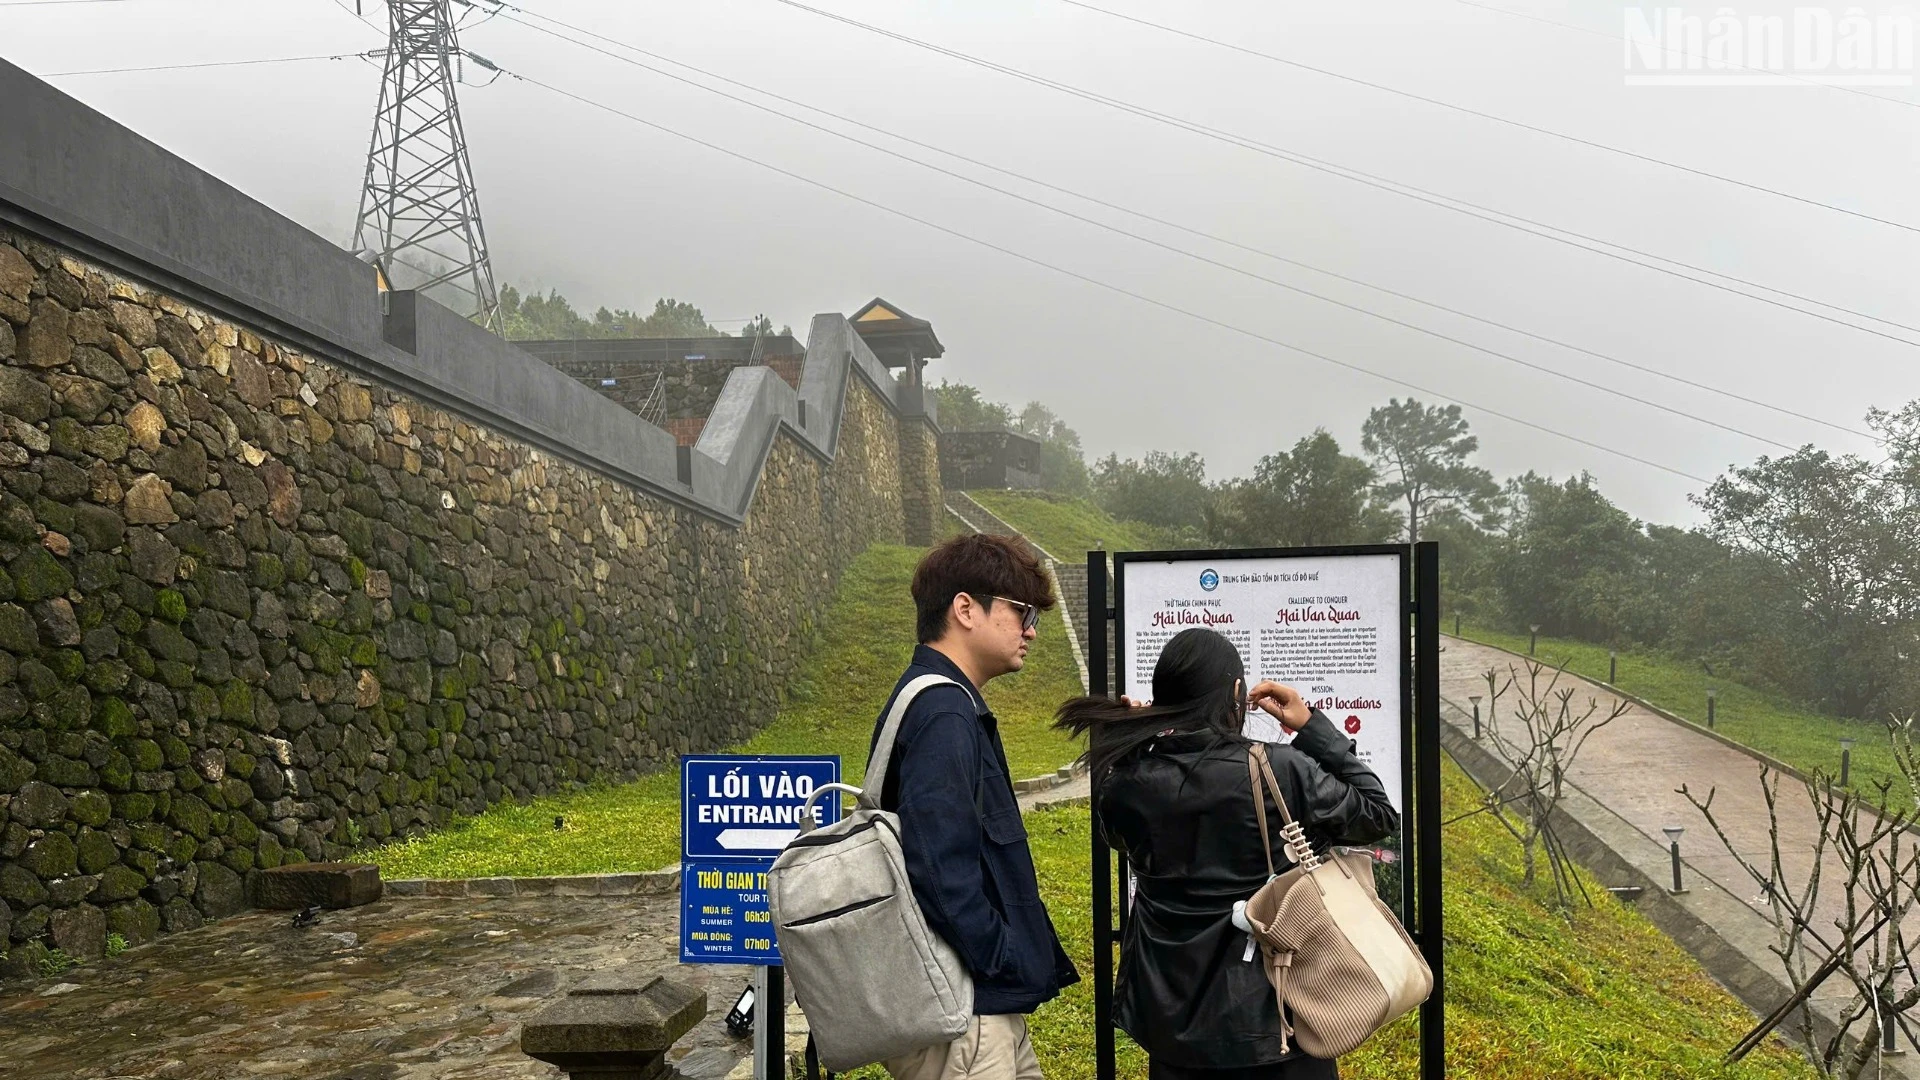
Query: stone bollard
614, 1025
327, 885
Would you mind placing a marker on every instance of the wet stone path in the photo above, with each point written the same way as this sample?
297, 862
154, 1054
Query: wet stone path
396, 990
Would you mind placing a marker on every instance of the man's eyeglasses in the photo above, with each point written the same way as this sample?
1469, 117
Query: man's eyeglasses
1029, 615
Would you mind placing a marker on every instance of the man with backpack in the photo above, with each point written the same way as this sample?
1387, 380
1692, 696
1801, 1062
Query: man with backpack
978, 601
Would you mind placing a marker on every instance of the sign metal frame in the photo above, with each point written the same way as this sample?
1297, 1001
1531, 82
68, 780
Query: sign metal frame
1419, 621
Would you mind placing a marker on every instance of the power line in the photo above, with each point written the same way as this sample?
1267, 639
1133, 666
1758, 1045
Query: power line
1684, 414
368, 23
1123, 209
1494, 117
54, 3
1690, 55
209, 64
1121, 290
1555, 233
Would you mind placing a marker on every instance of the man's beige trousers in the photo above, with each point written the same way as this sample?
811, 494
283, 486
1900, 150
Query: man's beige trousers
994, 1048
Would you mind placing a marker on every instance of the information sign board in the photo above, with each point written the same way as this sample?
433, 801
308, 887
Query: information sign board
1334, 627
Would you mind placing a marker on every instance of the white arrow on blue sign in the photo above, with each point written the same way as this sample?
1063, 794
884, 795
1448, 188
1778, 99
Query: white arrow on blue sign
756, 840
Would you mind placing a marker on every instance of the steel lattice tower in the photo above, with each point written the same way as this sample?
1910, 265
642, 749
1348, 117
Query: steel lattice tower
419, 213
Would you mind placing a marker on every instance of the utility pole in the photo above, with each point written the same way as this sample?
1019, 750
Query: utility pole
419, 214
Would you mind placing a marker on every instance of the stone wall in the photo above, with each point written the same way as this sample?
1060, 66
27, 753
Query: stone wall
258, 608
922, 503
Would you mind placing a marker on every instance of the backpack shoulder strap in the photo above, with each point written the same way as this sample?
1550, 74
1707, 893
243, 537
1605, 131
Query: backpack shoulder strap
876, 780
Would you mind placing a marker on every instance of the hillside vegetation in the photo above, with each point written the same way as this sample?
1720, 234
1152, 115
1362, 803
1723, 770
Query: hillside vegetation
1069, 527
1765, 720
1800, 736
1796, 574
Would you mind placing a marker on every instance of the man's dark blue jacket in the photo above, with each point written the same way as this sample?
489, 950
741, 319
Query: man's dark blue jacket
965, 844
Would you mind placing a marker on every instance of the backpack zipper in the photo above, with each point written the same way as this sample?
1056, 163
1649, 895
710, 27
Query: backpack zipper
836, 912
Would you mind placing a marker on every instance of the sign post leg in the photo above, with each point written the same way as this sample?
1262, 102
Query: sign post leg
1101, 862
770, 1023
1426, 638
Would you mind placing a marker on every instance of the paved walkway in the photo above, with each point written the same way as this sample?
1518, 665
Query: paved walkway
1633, 767
397, 990
403, 989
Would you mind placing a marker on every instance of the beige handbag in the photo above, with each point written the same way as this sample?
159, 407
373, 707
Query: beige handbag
1337, 958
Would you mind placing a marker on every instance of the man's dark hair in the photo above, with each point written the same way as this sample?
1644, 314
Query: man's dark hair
981, 566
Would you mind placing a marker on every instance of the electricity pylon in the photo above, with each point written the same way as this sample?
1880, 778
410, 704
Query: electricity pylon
419, 214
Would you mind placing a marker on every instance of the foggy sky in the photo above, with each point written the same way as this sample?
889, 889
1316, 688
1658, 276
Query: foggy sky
610, 212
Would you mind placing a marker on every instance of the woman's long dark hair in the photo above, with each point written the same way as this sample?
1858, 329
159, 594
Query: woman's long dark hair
1194, 684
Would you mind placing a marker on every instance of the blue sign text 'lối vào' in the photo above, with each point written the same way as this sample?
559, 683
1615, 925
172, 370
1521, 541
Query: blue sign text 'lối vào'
736, 814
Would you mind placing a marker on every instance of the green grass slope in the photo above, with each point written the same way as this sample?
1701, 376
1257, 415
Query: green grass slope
1069, 528
867, 639
1802, 737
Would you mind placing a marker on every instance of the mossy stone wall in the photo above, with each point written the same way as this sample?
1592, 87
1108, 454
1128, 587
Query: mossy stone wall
255, 609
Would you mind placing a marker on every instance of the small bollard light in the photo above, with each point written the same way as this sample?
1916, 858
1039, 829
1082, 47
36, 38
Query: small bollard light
1712, 695
1475, 698
1533, 637
1456, 624
1613, 668
740, 1017
1846, 759
1673, 845
1889, 1033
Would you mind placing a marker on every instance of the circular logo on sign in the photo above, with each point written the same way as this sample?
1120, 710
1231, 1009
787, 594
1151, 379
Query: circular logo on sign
1353, 725
1209, 580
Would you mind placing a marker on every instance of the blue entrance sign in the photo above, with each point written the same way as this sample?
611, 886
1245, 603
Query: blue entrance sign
736, 814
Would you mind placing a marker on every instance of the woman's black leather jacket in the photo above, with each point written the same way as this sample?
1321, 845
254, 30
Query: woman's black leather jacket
1182, 811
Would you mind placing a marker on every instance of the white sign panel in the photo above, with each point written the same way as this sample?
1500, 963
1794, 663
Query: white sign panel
1330, 626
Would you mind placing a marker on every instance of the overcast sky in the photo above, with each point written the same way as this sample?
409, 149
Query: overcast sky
611, 212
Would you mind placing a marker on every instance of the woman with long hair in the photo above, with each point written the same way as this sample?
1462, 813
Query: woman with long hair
1170, 780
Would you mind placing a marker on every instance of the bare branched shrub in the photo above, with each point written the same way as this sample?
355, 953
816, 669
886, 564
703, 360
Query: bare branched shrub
1539, 737
1844, 916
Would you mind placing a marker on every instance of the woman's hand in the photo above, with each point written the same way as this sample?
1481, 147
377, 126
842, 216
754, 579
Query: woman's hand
1132, 704
1283, 703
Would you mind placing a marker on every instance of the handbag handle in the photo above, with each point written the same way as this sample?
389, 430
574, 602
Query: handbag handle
1259, 802
1258, 769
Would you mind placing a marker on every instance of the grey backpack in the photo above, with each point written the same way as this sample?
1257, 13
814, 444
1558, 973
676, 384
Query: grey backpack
874, 980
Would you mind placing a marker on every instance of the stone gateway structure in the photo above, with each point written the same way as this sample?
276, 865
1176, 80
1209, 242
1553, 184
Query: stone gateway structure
288, 565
